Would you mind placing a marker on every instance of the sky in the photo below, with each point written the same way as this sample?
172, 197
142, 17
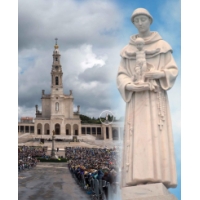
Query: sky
91, 34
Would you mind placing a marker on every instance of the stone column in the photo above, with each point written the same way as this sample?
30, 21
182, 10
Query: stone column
35, 129
53, 140
43, 129
62, 129
79, 129
53, 151
110, 132
104, 132
72, 129
52, 127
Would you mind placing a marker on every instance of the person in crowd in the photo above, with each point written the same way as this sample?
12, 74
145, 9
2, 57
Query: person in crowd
27, 156
93, 163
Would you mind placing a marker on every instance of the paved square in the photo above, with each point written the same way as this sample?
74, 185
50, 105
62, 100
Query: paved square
51, 181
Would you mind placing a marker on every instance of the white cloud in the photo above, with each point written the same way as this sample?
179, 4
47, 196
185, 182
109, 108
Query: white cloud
91, 59
73, 22
25, 112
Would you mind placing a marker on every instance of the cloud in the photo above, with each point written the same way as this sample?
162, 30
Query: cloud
95, 73
26, 112
73, 22
91, 59
91, 82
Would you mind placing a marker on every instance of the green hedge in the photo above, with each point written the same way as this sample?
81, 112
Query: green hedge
52, 160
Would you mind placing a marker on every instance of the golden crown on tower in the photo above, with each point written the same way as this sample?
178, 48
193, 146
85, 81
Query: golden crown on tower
56, 46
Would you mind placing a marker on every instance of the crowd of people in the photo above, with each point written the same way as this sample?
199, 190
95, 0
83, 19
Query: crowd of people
27, 156
95, 163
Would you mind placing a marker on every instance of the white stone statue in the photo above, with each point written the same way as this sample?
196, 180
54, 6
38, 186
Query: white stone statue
57, 106
148, 152
106, 116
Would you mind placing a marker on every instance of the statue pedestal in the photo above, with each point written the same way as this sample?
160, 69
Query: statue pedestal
53, 151
53, 154
155, 191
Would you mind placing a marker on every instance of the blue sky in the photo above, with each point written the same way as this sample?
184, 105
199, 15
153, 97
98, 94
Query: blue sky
91, 35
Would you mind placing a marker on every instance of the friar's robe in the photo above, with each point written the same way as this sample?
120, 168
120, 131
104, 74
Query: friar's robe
148, 153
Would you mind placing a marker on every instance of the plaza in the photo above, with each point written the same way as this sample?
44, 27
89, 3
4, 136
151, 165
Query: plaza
49, 181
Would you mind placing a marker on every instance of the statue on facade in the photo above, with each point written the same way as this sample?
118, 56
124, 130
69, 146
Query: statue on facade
147, 70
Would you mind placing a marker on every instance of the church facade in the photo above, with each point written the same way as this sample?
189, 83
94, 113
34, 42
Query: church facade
57, 113
57, 108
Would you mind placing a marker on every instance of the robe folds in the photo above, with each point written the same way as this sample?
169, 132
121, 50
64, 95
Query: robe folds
148, 152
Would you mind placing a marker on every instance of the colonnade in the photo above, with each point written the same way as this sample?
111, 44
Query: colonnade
101, 131
26, 128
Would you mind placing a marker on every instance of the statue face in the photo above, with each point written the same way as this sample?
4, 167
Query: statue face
142, 23
140, 46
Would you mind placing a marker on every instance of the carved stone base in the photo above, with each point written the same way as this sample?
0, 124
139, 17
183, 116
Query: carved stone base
53, 154
155, 191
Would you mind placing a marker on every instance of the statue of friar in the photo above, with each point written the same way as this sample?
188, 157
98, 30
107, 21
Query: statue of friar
148, 153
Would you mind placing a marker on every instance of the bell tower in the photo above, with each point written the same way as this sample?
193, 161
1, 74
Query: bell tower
57, 108
56, 72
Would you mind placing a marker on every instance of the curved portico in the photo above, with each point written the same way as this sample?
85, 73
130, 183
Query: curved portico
46, 129
39, 129
57, 129
68, 129
75, 129
115, 134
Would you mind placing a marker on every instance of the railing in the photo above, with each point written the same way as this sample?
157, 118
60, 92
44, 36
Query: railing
98, 189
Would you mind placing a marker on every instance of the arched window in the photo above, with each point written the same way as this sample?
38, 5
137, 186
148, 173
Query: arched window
57, 80
56, 59
57, 106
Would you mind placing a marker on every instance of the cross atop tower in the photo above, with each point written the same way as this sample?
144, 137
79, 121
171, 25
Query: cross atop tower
56, 40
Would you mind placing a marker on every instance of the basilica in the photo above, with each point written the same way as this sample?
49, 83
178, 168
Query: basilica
57, 113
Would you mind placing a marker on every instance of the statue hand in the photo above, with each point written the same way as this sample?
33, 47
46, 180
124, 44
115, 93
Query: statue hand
155, 74
137, 88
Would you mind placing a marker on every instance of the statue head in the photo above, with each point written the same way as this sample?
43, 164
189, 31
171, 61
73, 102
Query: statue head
142, 20
139, 43
141, 11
